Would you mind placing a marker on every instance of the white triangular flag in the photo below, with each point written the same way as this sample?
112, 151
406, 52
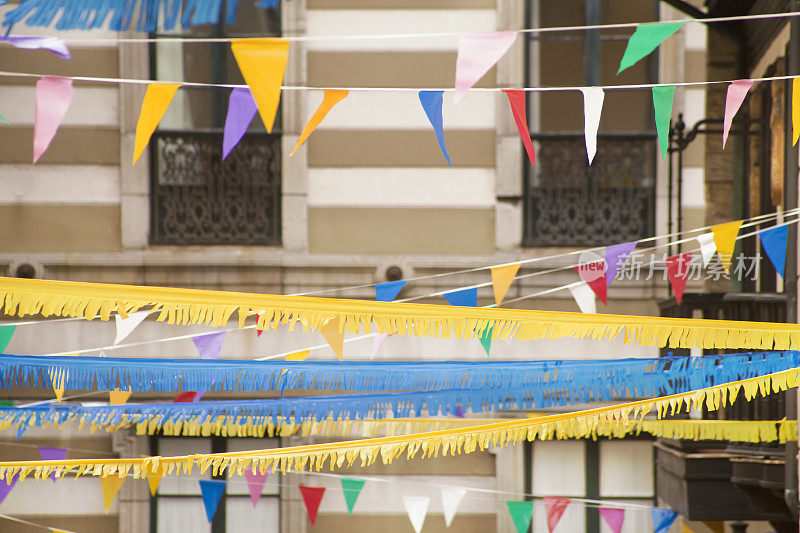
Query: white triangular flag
451, 497
584, 297
417, 508
592, 108
707, 246
126, 325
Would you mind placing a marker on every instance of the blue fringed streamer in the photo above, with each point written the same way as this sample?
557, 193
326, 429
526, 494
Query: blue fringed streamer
120, 14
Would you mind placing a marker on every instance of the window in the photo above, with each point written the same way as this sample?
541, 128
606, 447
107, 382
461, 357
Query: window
568, 202
178, 506
196, 197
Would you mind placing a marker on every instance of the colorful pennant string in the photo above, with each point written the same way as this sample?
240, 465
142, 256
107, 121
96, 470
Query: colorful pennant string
52, 454
592, 109
725, 241
613, 517
431, 102
51, 44
334, 335
377, 342
118, 397
330, 98
462, 298
387, 292
53, 96
502, 278
707, 246
209, 346
417, 509
554, 509
451, 498
645, 40
615, 257
312, 497
262, 62
110, 486
211, 492
153, 481
594, 275
678, 269
125, 326
255, 484
6, 333
156, 101
584, 297
516, 99
6, 486
521, 514
477, 54
241, 110
351, 487
774, 242
662, 519
662, 105
737, 92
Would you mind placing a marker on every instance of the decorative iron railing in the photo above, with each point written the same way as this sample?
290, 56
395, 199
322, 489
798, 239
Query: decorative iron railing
197, 198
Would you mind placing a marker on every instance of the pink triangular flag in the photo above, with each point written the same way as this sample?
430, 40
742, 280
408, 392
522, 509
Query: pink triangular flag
477, 54
737, 92
53, 96
377, 341
613, 517
678, 272
255, 484
594, 274
554, 509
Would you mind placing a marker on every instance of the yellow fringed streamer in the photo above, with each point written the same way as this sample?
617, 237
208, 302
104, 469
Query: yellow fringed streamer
190, 306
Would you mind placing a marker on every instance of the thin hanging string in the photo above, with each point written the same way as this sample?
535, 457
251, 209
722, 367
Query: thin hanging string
33, 524
551, 29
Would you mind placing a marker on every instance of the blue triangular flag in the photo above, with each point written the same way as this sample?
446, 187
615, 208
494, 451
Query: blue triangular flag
212, 492
463, 297
662, 519
21, 430
774, 242
387, 292
432, 104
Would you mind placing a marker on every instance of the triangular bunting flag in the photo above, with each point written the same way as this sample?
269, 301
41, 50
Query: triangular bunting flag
52, 454
312, 496
351, 487
387, 292
432, 105
185, 397
502, 278
417, 509
774, 242
521, 514
477, 54
241, 110
516, 98
795, 109
334, 337
53, 96
594, 274
613, 517
126, 325
737, 92
6, 332
377, 342
110, 487
486, 339
662, 105
584, 297
592, 109
6, 486
156, 101
463, 297
662, 519
725, 240
258, 331
118, 397
616, 255
451, 497
644, 40
255, 484
209, 345
298, 356
21, 430
51, 44
211, 491
707, 246
153, 481
263, 62
678, 267
330, 98
554, 509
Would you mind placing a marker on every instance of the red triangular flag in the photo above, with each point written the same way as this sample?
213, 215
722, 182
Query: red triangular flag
258, 331
594, 274
554, 508
678, 272
312, 497
516, 98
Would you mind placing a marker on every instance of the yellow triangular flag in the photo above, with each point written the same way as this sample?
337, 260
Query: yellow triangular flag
330, 99
110, 487
502, 278
725, 239
334, 337
118, 397
59, 530
795, 110
263, 62
298, 356
153, 480
155, 104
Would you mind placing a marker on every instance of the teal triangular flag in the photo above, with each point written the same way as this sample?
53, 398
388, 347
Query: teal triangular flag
3, 119
774, 242
644, 40
212, 492
6, 332
486, 338
521, 513
662, 104
351, 488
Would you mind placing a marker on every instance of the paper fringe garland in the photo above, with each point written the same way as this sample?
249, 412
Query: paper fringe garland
22, 297
368, 451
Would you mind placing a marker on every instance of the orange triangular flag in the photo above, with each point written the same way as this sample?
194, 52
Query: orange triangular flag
263, 62
725, 239
118, 397
299, 356
110, 487
502, 278
155, 104
153, 480
330, 99
335, 338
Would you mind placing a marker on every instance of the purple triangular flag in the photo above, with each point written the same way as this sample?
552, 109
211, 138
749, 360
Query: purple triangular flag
52, 454
616, 254
241, 110
50, 44
210, 345
255, 484
5, 488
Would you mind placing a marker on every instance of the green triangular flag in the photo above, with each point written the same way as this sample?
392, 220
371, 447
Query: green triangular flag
521, 513
351, 488
644, 40
3, 119
6, 332
486, 339
662, 104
